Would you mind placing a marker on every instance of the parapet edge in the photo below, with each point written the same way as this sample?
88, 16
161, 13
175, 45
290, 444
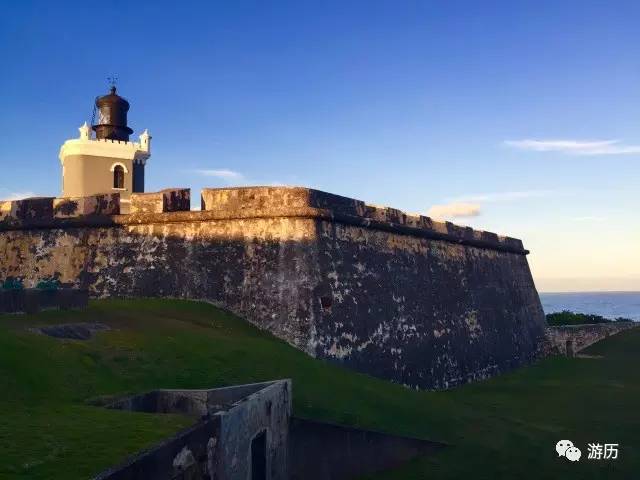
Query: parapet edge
263, 202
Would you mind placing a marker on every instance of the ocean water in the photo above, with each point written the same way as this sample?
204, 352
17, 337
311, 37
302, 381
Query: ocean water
607, 304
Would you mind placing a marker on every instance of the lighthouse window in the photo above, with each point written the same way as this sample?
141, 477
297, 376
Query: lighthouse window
118, 177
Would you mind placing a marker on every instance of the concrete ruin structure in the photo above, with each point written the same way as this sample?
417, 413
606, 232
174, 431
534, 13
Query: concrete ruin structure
422, 303
240, 433
247, 432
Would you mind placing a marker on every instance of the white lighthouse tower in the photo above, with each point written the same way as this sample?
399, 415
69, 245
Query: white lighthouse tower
107, 162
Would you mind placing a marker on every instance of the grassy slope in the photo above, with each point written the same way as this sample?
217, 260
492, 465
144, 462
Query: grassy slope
506, 427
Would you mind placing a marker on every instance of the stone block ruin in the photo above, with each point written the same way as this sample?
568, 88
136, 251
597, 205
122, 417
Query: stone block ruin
240, 432
247, 432
402, 297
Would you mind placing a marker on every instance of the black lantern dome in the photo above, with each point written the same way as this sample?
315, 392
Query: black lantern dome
112, 117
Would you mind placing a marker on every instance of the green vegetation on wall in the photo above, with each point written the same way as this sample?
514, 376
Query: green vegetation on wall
48, 284
567, 317
12, 283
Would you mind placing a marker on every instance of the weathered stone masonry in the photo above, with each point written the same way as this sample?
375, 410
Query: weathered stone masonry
571, 339
401, 297
220, 444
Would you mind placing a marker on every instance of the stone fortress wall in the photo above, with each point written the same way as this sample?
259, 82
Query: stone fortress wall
422, 303
570, 339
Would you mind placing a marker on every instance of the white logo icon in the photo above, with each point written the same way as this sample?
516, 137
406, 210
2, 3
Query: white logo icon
562, 446
573, 454
596, 451
566, 449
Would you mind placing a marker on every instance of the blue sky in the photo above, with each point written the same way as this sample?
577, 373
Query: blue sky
503, 110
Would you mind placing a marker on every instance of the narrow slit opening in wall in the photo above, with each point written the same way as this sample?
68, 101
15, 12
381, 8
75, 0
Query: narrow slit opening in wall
259, 456
569, 348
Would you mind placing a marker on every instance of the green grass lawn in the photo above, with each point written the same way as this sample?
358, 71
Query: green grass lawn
506, 427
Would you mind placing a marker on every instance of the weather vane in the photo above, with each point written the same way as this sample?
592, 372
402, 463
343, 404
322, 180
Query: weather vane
112, 80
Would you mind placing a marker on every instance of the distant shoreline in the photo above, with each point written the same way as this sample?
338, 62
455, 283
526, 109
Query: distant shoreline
610, 305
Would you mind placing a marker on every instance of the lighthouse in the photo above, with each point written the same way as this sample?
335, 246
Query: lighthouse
103, 159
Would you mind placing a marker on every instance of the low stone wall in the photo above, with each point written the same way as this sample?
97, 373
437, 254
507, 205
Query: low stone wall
32, 300
422, 303
69, 207
247, 431
15, 213
570, 339
221, 443
185, 456
167, 200
44, 212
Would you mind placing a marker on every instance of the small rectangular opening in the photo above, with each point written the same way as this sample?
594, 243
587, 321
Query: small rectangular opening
259, 456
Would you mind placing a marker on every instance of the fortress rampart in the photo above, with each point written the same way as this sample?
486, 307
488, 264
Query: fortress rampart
422, 303
571, 339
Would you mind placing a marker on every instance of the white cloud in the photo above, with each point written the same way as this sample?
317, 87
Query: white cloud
575, 147
588, 218
473, 204
502, 196
17, 195
223, 173
455, 209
